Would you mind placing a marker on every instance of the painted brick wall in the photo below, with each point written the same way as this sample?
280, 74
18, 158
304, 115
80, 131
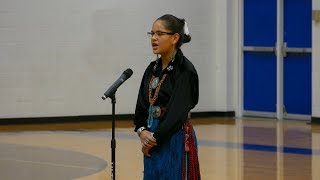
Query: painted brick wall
58, 57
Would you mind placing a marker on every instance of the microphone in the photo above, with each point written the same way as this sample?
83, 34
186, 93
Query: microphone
113, 88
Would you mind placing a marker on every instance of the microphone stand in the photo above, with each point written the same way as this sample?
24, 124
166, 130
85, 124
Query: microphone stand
113, 140
111, 92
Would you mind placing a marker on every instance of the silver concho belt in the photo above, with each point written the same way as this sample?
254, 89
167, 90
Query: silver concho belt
156, 112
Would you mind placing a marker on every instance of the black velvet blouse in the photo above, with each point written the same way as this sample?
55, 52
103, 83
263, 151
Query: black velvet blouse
179, 93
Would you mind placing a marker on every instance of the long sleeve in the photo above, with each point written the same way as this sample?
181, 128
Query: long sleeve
141, 111
183, 99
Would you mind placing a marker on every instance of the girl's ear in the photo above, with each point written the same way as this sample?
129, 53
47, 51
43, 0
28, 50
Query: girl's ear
176, 38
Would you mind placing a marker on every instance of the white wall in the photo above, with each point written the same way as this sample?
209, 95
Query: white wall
58, 57
226, 57
315, 63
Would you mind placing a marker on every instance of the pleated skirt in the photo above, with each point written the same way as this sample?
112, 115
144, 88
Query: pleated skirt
166, 160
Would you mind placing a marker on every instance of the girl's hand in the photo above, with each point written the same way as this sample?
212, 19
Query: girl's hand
145, 150
147, 140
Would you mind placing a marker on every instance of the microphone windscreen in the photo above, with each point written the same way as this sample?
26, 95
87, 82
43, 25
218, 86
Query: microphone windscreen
128, 72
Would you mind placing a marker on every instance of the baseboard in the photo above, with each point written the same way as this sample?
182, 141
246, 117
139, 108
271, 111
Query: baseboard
64, 119
315, 120
212, 114
91, 118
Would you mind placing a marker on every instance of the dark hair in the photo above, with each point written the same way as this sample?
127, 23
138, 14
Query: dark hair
176, 25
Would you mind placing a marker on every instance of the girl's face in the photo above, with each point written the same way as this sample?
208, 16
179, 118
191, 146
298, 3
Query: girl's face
163, 41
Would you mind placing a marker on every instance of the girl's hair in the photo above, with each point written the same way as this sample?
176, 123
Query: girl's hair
176, 25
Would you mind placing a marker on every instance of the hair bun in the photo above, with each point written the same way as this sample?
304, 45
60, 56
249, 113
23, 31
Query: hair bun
187, 38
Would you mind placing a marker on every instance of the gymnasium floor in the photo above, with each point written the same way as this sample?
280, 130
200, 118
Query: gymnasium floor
229, 149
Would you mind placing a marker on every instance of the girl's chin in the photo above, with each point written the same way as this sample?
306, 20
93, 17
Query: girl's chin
155, 51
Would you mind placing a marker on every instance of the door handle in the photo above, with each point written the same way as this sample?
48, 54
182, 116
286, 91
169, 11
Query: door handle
258, 49
286, 50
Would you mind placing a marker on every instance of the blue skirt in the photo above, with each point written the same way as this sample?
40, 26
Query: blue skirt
165, 162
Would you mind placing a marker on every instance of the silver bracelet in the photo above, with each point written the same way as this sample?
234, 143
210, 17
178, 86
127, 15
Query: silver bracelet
140, 130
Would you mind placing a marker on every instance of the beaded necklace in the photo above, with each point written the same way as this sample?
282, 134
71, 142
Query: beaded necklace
153, 99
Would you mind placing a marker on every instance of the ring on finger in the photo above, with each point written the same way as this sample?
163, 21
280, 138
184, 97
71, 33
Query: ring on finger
146, 141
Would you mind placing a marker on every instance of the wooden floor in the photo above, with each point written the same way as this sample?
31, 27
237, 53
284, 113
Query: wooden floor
229, 149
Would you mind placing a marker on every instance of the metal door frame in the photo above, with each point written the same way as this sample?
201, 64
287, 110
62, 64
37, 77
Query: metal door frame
280, 50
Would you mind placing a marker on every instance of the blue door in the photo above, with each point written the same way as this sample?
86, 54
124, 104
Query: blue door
260, 37
297, 57
260, 61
